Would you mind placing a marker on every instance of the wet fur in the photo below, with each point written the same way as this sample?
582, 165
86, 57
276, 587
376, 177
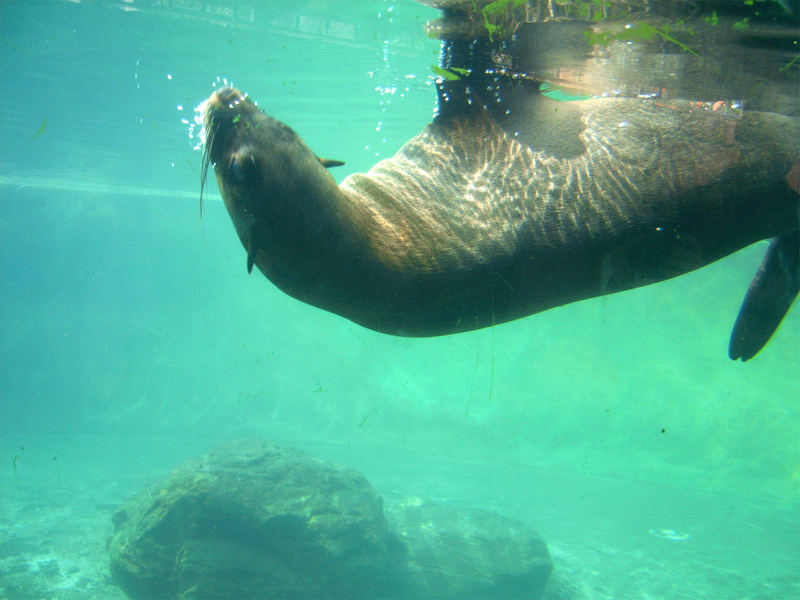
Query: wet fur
477, 221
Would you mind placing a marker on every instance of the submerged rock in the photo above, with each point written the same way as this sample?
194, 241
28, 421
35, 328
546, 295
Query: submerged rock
253, 520
469, 553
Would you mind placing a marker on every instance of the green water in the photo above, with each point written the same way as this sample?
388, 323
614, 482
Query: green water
132, 336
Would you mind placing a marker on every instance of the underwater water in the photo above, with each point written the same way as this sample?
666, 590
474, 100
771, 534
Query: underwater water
133, 338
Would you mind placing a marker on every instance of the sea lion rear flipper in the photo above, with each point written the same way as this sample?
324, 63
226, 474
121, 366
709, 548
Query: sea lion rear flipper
329, 162
768, 298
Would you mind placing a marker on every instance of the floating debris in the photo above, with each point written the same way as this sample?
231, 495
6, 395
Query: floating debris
669, 534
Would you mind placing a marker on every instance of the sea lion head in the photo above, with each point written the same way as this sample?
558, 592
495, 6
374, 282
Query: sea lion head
241, 145
274, 187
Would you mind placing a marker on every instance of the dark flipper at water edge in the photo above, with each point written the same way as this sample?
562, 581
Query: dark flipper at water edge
771, 293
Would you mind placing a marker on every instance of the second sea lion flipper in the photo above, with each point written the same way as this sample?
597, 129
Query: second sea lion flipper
768, 298
329, 162
251, 250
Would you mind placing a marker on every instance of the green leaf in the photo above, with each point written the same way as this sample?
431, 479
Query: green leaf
445, 74
40, 131
560, 94
742, 25
789, 64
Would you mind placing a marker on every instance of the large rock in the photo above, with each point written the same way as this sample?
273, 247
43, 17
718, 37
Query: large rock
253, 520
468, 553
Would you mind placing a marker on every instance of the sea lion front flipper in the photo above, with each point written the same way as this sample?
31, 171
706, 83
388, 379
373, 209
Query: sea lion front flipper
251, 249
329, 162
768, 298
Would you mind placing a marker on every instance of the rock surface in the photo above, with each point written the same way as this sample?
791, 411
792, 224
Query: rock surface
468, 553
253, 520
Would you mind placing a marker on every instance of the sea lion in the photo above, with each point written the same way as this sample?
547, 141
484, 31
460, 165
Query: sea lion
490, 215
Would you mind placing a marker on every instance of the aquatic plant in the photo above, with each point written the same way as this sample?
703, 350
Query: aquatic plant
451, 74
496, 10
640, 32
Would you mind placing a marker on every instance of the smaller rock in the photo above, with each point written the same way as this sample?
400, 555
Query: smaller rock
461, 552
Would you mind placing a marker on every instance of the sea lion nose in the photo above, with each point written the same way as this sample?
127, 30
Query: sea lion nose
226, 96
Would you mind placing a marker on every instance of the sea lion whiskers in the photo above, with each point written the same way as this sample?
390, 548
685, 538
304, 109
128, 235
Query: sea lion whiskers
210, 125
202, 130
205, 164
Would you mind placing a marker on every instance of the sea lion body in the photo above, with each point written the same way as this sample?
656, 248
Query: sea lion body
473, 223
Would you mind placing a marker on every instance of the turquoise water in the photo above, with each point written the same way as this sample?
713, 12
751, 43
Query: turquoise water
133, 338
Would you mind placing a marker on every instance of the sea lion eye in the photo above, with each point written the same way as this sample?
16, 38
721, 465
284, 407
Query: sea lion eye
241, 166
235, 169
